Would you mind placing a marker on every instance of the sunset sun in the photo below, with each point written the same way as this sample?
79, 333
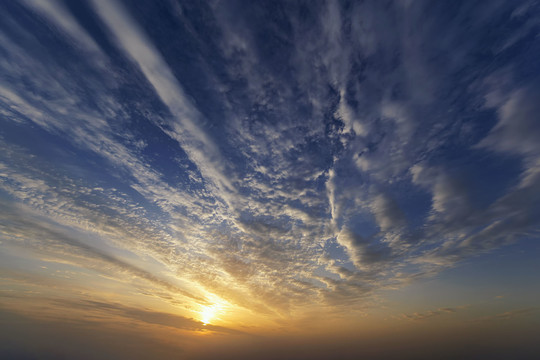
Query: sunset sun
208, 313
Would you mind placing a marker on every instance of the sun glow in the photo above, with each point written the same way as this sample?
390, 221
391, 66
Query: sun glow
208, 313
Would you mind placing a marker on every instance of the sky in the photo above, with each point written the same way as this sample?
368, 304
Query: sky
269, 179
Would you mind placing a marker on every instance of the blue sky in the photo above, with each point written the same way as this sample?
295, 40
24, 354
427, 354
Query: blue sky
266, 161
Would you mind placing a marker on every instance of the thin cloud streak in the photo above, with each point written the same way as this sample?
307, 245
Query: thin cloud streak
18, 225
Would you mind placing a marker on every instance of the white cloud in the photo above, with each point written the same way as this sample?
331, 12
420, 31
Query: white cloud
387, 212
364, 253
450, 200
55, 11
516, 131
185, 129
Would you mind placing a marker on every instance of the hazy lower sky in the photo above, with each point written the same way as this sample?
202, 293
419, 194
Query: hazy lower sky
269, 179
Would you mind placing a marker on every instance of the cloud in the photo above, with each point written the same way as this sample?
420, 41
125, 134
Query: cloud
450, 200
111, 309
387, 212
429, 314
56, 12
516, 130
38, 234
272, 155
363, 252
506, 316
184, 128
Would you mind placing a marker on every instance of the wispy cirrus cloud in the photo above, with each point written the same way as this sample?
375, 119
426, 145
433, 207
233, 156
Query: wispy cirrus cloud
45, 238
507, 315
429, 314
